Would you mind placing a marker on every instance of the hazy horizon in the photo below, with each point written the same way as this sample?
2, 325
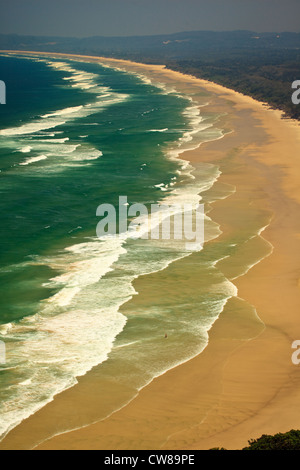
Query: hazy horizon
111, 18
158, 34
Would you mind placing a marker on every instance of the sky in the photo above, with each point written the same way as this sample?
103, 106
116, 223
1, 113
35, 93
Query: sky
83, 18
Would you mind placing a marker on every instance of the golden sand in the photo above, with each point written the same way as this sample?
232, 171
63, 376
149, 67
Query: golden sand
244, 384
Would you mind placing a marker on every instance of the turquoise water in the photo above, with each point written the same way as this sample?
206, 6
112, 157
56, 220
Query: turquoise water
75, 135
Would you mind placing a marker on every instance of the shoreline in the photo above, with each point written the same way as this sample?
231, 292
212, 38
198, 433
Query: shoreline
209, 411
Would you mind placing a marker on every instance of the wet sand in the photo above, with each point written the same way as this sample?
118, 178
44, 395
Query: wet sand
244, 383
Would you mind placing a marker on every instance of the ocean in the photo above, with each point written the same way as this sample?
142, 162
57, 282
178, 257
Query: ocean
74, 135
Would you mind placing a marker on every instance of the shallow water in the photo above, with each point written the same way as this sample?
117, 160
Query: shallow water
75, 135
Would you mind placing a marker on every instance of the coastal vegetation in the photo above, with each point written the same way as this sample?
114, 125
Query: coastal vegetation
263, 65
287, 441
266, 75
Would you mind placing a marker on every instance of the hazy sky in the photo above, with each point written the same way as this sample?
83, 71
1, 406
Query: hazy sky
141, 17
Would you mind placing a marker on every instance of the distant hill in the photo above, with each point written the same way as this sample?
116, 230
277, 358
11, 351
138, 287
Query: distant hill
262, 65
171, 46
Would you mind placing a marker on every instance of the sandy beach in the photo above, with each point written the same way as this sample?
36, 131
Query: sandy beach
244, 384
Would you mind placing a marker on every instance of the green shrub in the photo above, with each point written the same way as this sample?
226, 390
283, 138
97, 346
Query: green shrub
287, 441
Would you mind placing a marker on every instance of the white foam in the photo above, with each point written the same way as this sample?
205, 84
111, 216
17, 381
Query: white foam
59, 153
4, 329
55, 141
31, 128
42, 145
62, 112
87, 154
161, 186
97, 261
65, 296
80, 79
76, 328
26, 149
73, 331
34, 160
